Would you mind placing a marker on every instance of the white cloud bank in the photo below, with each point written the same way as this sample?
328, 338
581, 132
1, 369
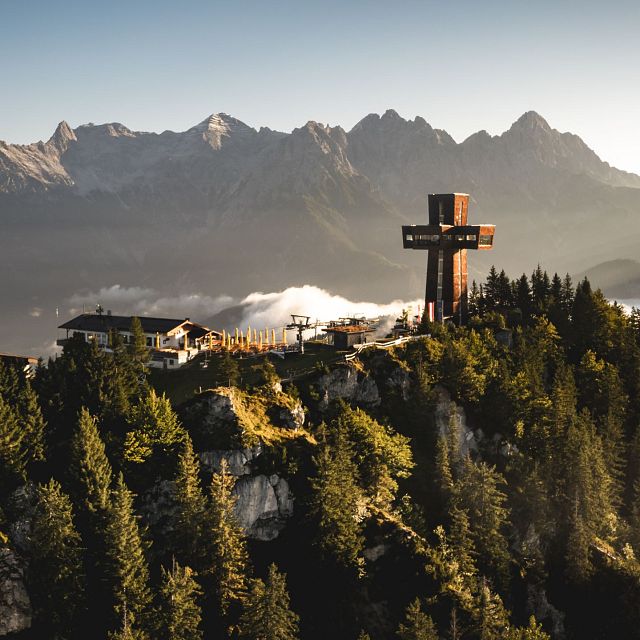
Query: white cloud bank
272, 310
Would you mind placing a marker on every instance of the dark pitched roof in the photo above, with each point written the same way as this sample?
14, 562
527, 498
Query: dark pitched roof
104, 323
13, 357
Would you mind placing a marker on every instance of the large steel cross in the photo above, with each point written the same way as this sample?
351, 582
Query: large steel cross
447, 238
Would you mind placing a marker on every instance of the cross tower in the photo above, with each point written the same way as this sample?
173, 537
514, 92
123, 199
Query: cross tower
447, 238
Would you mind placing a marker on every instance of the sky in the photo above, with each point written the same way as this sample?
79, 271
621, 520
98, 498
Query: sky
463, 65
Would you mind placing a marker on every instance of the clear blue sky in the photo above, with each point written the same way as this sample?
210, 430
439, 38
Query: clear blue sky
463, 65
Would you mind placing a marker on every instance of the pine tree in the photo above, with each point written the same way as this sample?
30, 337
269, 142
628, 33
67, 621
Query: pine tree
490, 289
586, 493
125, 382
12, 453
381, 455
228, 560
492, 620
522, 296
267, 614
417, 625
474, 304
444, 476
190, 506
29, 415
127, 572
228, 373
540, 290
334, 503
462, 542
179, 614
155, 433
504, 294
478, 493
56, 569
90, 468
533, 632
138, 342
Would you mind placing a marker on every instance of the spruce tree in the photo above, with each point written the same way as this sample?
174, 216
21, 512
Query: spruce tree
417, 625
587, 493
532, 632
478, 493
32, 422
491, 618
462, 542
156, 434
138, 348
381, 455
12, 453
522, 296
228, 371
127, 572
56, 570
444, 477
491, 289
90, 468
335, 501
228, 561
190, 507
179, 614
267, 614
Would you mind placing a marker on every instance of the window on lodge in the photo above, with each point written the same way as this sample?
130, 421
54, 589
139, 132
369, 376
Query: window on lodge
486, 240
149, 342
409, 237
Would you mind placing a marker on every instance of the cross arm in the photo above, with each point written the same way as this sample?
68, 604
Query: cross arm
433, 236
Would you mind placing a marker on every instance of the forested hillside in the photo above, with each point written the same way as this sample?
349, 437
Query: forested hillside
476, 483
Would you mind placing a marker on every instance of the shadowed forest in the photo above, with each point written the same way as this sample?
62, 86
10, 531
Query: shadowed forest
477, 483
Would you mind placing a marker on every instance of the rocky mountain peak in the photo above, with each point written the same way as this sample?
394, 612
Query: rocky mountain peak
218, 128
530, 121
62, 136
392, 114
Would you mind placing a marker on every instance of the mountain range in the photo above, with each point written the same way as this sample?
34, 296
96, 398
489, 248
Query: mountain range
227, 208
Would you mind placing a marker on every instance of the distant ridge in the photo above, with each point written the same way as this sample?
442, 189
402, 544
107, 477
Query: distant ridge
618, 279
225, 208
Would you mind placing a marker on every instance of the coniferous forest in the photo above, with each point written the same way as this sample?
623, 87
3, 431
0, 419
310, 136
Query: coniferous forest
477, 483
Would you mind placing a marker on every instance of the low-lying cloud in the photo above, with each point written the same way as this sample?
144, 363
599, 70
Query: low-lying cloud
629, 304
258, 309
148, 302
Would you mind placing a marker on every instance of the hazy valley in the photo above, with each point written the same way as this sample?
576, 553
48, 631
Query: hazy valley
224, 209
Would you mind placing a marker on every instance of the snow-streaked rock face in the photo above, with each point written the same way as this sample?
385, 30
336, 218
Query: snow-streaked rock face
15, 606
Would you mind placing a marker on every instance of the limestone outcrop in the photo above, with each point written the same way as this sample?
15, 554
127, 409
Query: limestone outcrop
15, 606
264, 503
446, 411
347, 383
